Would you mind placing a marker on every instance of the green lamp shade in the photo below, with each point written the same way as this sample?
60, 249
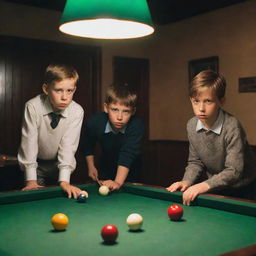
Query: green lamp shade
106, 19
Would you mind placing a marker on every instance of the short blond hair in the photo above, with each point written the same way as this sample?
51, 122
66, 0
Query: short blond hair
122, 94
208, 79
58, 72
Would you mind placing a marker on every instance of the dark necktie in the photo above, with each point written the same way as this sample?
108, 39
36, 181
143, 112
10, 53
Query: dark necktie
55, 119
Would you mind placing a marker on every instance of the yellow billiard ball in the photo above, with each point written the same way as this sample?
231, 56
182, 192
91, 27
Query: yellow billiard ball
59, 221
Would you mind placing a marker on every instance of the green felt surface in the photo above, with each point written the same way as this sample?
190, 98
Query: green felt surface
25, 227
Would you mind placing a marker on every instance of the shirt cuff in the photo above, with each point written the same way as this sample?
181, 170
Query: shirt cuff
64, 175
31, 174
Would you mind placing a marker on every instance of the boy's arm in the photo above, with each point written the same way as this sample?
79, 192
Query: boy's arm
88, 146
28, 150
68, 146
192, 192
92, 171
131, 149
121, 175
234, 162
194, 168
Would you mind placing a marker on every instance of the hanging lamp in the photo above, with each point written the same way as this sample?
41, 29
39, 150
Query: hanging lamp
106, 19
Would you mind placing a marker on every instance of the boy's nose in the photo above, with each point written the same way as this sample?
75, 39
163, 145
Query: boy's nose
120, 115
201, 107
64, 95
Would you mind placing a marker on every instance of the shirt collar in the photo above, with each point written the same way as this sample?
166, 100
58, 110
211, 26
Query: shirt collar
47, 107
110, 129
217, 126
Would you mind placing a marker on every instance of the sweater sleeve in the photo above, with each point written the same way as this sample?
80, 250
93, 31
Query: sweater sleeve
28, 150
89, 138
195, 166
131, 149
68, 145
234, 162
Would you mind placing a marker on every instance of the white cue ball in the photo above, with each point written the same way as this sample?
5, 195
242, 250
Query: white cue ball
134, 221
103, 190
84, 193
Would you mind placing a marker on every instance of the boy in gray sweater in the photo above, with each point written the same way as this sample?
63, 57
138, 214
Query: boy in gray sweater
217, 145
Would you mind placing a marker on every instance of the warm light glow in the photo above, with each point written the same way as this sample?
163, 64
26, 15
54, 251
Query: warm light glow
106, 19
107, 29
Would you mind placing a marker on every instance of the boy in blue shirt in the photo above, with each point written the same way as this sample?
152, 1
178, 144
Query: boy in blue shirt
217, 145
119, 133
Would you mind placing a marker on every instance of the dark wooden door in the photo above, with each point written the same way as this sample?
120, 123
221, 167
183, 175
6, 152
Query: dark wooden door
135, 72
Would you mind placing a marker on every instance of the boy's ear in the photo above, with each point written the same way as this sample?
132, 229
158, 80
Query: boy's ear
45, 88
105, 107
222, 101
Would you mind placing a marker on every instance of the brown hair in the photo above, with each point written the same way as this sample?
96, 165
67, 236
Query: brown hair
58, 72
122, 94
208, 79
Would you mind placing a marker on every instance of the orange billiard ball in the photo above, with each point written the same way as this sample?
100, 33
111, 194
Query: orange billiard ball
175, 212
59, 221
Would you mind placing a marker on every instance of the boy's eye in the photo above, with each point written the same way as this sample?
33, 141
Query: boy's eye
69, 91
115, 109
127, 111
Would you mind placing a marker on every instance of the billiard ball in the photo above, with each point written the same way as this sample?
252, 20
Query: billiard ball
81, 198
109, 233
134, 221
84, 193
59, 221
103, 190
175, 212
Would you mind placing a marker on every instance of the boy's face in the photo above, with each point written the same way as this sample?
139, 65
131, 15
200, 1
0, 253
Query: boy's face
206, 106
118, 114
60, 93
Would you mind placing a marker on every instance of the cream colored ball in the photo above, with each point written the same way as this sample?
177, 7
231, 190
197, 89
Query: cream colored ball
104, 190
134, 221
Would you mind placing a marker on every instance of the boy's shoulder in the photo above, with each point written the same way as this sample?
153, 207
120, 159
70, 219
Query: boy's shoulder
230, 121
98, 116
192, 122
97, 119
75, 107
135, 121
37, 100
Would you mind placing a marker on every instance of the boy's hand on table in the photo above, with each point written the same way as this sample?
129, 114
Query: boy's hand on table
180, 185
112, 185
70, 189
192, 192
31, 185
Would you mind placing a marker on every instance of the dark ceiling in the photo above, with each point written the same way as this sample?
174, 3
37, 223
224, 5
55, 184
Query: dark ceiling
162, 11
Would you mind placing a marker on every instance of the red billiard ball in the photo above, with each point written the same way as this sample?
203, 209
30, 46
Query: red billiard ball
175, 212
109, 233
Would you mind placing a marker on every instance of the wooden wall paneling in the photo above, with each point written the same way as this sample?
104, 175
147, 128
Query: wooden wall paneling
164, 162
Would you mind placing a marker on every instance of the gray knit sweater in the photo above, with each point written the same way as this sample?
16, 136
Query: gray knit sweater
227, 158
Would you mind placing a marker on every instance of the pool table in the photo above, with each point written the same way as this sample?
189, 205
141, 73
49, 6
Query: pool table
211, 226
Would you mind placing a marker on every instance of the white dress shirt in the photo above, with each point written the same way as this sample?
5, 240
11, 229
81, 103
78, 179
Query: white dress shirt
39, 140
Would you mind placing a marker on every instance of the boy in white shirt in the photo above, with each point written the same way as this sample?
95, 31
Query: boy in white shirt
51, 131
